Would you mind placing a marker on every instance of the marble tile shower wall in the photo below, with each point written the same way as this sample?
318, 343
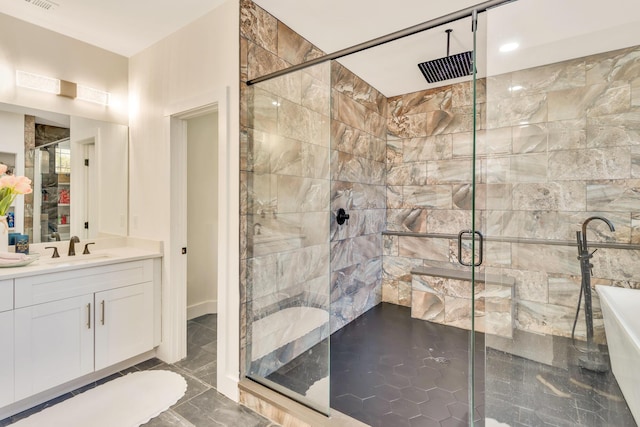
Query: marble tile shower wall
358, 178
428, 182
284, 183
564, 146
310, 144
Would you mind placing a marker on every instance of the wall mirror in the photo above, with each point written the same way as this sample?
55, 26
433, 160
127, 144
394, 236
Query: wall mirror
79, 170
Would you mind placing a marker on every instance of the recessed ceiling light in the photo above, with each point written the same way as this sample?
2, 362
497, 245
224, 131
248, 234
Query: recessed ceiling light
508, 47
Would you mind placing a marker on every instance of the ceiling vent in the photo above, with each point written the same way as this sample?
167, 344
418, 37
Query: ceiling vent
43, 4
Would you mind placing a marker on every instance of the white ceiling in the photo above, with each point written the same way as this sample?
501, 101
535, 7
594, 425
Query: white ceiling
122, 26
548, 30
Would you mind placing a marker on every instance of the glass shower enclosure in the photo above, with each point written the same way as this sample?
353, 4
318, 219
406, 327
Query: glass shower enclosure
500, 171
288, 243
562, 109
318, 175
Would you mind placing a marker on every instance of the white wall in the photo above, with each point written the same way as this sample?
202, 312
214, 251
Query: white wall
12, 141
199, 59
109, 213
202, 215
30, 48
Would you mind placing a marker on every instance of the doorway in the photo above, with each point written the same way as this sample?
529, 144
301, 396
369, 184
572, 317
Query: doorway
202, 215
175, 300
198, 225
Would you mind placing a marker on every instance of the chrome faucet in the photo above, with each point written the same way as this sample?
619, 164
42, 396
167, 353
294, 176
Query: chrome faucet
72, 246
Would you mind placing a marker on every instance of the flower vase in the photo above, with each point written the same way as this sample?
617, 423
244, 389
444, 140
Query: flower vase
4, 234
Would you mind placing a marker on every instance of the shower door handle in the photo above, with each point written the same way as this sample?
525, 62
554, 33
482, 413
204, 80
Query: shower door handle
462, 233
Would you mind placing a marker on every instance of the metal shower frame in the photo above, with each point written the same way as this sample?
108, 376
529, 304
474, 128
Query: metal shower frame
418, 28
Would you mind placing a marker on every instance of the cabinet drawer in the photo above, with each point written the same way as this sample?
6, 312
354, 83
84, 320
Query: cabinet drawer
67, 284
6, 295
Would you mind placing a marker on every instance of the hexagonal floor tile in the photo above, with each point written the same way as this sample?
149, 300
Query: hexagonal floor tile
436, 409
414, 394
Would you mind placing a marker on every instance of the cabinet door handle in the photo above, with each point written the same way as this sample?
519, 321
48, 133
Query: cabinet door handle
89, 316
102, 314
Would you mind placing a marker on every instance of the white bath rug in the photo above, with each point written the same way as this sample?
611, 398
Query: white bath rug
128, 401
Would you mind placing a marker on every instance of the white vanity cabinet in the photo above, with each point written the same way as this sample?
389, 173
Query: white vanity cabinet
54, 344
72, 323
124, 323
6, 342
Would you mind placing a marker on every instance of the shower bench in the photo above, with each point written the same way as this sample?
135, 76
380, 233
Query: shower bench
444, 295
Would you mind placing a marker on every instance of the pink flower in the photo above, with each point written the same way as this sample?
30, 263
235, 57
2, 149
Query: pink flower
8, 181
23, 185
10, 187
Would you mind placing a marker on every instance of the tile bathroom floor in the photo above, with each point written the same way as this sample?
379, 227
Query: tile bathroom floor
389, 370
202, 405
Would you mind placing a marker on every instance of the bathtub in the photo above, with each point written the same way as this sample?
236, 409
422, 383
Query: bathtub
620, 307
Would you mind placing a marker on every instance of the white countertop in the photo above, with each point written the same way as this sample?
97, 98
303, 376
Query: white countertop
104, 252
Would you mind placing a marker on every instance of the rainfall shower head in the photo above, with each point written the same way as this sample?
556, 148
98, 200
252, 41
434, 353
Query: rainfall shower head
449, 67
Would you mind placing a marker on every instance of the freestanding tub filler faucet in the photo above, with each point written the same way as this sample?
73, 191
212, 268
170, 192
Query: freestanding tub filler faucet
592, 359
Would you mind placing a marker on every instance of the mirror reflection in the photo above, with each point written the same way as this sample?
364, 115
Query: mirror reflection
79, 171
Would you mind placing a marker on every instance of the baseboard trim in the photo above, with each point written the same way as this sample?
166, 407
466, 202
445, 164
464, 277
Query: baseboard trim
202, 308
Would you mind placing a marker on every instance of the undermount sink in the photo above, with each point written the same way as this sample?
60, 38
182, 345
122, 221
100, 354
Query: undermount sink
74, 260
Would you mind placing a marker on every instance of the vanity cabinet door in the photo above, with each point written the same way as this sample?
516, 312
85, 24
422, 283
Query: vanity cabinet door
124, 323
53, 344
6, 358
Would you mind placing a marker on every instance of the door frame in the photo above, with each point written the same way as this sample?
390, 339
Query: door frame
174, 311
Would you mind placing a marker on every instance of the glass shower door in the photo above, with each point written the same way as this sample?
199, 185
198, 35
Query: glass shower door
476, 233
288, 216
562, 118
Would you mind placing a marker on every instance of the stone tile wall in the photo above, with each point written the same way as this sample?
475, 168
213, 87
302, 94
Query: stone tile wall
285, 185
312, 141
556, 148
358, 178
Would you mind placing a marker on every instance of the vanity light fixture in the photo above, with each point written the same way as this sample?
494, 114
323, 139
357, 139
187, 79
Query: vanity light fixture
90, 94
61, 87
37, 82
68, 89
509, 47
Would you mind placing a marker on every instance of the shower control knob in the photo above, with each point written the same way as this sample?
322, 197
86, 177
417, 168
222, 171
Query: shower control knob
341, 216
